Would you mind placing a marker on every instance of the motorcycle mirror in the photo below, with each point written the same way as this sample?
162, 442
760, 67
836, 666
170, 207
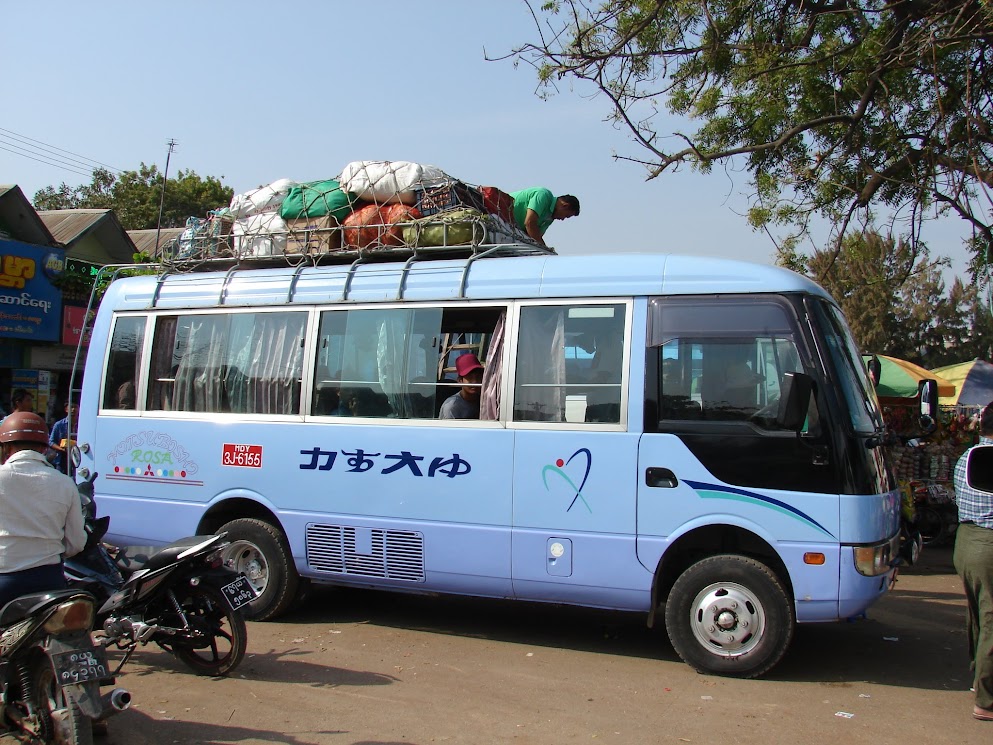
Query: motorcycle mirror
979, 468
927, 391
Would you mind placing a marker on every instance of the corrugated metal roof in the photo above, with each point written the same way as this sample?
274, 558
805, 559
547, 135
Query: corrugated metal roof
19, 219
144, 240
71, 226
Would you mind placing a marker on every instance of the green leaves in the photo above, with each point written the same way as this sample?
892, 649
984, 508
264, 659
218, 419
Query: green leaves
838, 108
135, 195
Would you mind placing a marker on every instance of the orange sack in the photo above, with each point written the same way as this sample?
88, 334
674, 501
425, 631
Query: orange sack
377, 225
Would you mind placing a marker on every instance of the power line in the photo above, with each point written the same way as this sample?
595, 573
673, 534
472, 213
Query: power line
46, 162
52, 159
46, 146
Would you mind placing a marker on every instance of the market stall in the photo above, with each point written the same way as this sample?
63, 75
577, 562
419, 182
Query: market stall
923, 460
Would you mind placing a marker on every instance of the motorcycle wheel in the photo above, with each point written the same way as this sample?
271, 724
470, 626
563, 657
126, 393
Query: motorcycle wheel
932, 525
215, 644
61, 721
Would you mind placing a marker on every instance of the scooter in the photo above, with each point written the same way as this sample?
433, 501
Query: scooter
181, 597
50, 670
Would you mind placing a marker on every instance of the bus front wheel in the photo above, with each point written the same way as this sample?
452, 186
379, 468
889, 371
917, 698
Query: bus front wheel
730, 615
261, 552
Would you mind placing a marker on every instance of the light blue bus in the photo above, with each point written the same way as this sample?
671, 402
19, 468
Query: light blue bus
687, 437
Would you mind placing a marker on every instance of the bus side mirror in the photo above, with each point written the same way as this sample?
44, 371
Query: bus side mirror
794, 400
927, 390
979, 468
875, 368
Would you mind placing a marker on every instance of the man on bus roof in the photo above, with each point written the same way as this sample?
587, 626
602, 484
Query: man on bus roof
535, 209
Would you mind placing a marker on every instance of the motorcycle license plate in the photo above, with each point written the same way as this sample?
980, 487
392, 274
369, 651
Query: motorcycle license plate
239, 593
80, 666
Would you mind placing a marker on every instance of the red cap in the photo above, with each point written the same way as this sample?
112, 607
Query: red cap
466, 364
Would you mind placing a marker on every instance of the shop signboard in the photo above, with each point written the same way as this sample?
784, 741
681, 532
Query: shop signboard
30, 305
57, 358
73, 317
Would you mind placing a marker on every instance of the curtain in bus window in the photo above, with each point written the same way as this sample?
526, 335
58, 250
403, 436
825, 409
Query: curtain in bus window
162, 379
199, 383
269, 367
391, 348
539, 394
489, 402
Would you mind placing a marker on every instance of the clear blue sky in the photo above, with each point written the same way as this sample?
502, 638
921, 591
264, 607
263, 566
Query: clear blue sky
257, 91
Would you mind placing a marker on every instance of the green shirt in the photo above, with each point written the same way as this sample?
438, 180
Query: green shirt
541, 200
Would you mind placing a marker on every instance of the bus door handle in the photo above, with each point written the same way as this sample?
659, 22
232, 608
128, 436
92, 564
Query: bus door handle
661, 478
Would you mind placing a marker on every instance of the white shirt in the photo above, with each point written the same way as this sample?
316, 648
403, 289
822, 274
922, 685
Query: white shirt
40, 514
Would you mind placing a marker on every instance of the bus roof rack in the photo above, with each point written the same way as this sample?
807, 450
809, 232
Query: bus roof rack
350, 256
426, 239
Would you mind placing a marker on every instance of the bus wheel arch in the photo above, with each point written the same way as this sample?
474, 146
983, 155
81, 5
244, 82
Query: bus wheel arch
728, 601
257, 547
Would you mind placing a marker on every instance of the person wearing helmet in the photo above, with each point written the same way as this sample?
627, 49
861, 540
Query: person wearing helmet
41, 519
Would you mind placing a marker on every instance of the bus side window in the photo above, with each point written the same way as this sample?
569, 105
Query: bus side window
124, 363
723, 360
399, 362
247, 363
570, 364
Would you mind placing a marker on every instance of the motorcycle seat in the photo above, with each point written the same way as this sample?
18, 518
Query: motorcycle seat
163, 557
20, 608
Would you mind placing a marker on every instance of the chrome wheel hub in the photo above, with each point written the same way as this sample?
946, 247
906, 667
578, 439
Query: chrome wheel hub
727, 619
245, 557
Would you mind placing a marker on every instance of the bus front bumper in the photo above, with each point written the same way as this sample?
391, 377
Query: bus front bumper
867, 572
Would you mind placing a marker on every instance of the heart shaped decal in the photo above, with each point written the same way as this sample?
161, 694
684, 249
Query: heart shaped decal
569, 474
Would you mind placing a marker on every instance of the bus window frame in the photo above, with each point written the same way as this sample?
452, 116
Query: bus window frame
138, 410
509, 363
510, 380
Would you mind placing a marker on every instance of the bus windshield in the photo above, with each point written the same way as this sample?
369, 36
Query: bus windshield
851, 374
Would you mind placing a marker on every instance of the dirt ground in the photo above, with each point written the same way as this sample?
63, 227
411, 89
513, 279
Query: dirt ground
369, 668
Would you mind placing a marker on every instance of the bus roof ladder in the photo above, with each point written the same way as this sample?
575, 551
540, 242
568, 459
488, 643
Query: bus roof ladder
468, 265
293, 281
351, 274
225, 283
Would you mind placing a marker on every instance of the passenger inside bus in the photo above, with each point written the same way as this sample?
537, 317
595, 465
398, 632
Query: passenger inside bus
604, 400
465, 403
741, 386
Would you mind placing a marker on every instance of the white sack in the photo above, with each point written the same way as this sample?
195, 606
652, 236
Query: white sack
263, 199
389, 181
262, 234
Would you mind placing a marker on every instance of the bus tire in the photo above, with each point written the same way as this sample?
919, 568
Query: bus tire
730, 615
261, 551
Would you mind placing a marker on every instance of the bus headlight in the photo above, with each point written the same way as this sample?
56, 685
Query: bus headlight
871, 561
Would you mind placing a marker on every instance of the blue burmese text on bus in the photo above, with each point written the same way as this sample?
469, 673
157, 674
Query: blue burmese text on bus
361, 461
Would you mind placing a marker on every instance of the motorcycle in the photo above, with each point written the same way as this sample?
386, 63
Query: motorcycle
181, 597
50, 670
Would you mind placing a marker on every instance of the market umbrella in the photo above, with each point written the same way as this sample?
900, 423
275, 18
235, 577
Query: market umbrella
973, 383
899, 378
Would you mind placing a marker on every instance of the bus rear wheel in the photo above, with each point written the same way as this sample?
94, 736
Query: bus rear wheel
730, 615
261, 552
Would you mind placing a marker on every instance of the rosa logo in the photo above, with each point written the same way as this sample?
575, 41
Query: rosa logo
569, 477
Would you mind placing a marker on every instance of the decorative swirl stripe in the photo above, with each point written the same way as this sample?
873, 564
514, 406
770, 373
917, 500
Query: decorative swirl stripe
715, 491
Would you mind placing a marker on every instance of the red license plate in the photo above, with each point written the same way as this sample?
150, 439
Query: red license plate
244, 456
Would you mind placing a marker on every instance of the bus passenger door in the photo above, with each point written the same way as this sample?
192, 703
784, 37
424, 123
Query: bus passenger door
713, 449
574, 510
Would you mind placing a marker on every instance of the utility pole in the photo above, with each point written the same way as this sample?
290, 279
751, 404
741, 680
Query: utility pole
165, 177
